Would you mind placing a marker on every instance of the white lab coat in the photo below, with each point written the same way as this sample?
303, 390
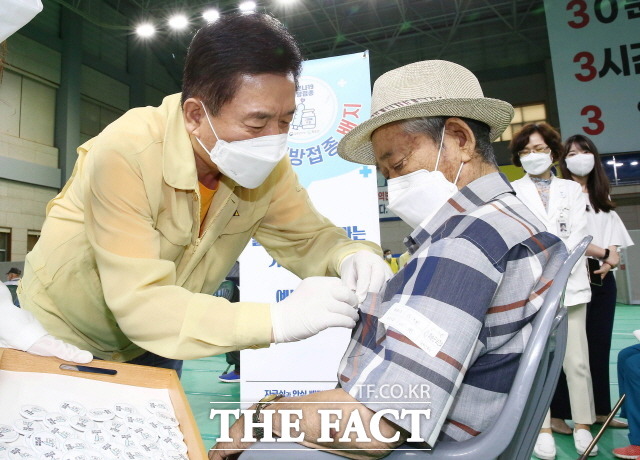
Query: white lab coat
563, 195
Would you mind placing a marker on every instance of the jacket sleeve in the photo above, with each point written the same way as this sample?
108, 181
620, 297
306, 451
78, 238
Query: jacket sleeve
578, 216
619, 235
298, 236
139, 287
429, 297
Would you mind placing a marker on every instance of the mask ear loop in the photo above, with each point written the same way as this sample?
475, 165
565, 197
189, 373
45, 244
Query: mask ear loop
455, 182
209, 120
440, 149
438, 159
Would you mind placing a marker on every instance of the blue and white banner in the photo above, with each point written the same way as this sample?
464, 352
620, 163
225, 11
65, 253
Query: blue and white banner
384, 213
333, 97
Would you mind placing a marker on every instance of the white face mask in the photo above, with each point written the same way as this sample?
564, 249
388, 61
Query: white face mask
417, 197
536, 163
581, 164
248, 162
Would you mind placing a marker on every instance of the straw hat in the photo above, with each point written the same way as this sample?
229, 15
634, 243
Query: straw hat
424, 89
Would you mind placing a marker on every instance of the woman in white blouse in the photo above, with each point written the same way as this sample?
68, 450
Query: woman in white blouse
580, 161
561, 206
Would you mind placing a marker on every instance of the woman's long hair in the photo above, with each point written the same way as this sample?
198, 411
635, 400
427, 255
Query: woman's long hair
597, 181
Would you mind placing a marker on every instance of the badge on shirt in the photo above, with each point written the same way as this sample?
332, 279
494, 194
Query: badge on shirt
416, 327
564, 223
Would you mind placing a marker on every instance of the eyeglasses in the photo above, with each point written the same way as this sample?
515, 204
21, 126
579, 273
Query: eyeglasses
525, 152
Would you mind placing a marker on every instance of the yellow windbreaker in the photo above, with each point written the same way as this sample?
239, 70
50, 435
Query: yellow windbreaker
120, 267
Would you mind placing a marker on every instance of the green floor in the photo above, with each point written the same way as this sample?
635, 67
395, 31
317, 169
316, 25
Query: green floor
627, 320
200, 381
201, 384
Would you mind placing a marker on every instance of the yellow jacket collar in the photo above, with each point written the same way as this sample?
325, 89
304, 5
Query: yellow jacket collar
179, 164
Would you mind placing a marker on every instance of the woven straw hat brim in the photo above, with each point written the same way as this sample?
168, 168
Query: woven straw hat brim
356, 145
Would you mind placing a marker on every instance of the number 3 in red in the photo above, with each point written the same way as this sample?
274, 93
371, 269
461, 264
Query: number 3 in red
587, 65
580, 13
594, 120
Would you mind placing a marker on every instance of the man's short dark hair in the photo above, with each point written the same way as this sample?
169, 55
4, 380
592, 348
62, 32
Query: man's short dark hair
236, 45
432, 127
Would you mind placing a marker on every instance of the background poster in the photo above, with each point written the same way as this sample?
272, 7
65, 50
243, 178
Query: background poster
334, 96
595, 51
384, 213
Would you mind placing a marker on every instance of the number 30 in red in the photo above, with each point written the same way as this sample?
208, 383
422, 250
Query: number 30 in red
594, 115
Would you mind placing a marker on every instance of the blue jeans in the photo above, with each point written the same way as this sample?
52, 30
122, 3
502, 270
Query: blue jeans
629, 384
150, 359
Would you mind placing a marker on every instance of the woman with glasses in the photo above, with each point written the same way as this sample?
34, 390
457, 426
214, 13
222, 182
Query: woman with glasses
561, 206
580, 161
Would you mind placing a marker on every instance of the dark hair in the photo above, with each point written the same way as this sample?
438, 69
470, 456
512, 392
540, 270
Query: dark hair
521, 138
597, 182
432, 126
236, 45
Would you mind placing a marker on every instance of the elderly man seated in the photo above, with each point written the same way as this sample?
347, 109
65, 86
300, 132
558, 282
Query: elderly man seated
434, 354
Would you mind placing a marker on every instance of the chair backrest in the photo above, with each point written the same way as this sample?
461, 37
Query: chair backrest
513, 435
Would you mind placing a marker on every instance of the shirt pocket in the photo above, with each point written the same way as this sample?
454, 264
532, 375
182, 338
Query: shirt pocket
173, 242
174, 236
175, 222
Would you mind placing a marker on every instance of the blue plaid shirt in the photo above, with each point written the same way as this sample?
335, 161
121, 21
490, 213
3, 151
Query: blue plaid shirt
447, 332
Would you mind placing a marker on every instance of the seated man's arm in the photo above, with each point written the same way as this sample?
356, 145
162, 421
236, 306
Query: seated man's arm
321, 428
413, 348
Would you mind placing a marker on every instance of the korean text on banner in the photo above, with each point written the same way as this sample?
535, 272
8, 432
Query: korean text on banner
595, 51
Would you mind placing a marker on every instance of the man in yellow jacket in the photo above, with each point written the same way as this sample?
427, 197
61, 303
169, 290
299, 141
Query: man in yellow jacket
162, 202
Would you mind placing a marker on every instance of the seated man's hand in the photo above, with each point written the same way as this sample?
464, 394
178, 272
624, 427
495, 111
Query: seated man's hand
364, 272
231, 450
316, 304
309, 426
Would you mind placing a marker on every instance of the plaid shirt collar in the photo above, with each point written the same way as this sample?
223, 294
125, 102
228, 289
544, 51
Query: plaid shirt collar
477, 193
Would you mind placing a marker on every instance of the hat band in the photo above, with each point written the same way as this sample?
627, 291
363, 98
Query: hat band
404, 103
